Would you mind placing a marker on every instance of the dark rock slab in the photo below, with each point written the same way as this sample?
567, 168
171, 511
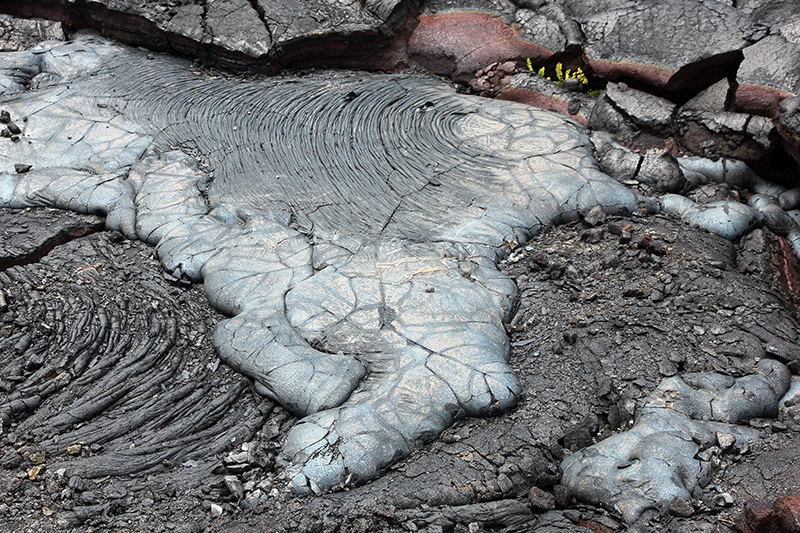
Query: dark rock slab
28, 235
234, 25
772, 12
769, 73
644, 109
716, 98
243, 34
675, 47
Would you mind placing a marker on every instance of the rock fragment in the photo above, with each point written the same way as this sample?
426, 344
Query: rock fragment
657, 171
542, 500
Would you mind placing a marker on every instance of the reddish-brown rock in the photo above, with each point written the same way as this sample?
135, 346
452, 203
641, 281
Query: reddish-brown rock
459, 43
788, 510
783, 516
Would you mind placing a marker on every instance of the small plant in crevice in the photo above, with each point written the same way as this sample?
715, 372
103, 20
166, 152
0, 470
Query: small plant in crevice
561, 76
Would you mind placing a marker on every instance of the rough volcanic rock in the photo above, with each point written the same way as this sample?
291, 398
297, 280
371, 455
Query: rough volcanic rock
302, 32
771, 12
639, 118
540, 29
769, 73
706, 126
22, 34
583, 9
606, 313
654, 172
35, 234
660, 458
695, 314
675, 47
234, 25
749, 138
380, 321
716, 98
789, 125
243, 34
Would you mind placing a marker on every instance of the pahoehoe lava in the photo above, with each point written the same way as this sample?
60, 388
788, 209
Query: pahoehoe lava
348, 224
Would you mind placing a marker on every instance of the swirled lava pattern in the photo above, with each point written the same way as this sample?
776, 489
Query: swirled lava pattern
348, 224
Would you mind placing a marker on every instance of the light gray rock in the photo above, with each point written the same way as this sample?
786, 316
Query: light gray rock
349, 225
657, 460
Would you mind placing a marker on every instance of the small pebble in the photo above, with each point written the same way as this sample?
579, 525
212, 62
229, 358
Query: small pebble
726, 441
20, 168
617, 227
542, 500
594, 216
76, 483
74, 449
234, 486
723, 500
681, 507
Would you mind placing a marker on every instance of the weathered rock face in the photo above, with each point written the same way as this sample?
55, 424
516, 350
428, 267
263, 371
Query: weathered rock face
673, 47
21, 34
243, 34
769, 73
